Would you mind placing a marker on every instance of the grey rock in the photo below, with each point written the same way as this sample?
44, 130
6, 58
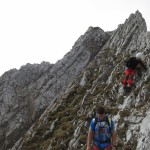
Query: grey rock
27, 92
69, 91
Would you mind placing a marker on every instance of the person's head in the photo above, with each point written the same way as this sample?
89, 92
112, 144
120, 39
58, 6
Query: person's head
100, 112
139, 55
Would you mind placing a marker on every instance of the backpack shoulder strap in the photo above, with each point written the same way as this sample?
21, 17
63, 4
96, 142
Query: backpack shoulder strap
108, 120
95, 121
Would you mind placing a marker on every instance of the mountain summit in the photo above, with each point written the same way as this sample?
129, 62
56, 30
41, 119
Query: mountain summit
46, 106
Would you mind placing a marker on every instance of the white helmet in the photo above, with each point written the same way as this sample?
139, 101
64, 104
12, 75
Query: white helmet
139, 55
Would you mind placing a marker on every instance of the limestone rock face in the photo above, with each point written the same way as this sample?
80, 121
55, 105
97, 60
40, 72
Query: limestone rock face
58, 100
27, 92
127, 34
64, 124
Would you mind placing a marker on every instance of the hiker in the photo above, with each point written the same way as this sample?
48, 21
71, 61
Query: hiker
131, 65
101, 134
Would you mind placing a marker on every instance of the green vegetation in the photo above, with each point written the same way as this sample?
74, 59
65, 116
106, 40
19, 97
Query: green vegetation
131, 144
120, 100
124, 113
111, 110
122, 132
70, 112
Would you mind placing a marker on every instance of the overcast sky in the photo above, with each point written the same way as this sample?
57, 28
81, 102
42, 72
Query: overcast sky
32, 31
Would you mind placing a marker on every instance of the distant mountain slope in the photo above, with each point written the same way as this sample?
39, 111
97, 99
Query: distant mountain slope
64, 124
87, 76
26, 93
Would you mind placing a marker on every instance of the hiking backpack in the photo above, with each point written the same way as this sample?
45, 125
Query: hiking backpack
108, 121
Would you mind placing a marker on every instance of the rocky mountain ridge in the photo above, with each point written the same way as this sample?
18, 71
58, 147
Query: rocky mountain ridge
26, 93
93, 71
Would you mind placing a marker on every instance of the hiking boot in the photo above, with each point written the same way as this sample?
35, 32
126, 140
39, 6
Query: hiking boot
133, 85
124, 87
127, 89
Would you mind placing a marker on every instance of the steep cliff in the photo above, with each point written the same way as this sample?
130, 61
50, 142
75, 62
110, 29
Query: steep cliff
93, 78
26, 93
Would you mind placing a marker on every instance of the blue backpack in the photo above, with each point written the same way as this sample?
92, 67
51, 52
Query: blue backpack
108, 121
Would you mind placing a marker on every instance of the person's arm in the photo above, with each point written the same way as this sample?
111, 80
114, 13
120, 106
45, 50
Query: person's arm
142, 66
113, 139
113, 136
89, 140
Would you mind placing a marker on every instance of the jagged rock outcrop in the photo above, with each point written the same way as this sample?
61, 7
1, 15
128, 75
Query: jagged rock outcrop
100, 61
26, 93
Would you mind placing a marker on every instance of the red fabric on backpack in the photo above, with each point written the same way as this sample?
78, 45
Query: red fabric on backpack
108, 147
130, 82
124, 82
96, 148
130, 71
